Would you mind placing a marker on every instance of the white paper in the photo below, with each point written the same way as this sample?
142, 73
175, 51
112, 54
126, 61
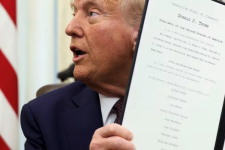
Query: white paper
178, 84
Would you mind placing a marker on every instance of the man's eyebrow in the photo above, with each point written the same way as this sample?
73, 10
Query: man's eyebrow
85, 4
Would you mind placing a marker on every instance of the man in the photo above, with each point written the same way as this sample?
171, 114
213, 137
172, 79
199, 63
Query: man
103, 38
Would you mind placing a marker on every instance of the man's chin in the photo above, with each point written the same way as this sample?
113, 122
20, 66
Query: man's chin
81, 76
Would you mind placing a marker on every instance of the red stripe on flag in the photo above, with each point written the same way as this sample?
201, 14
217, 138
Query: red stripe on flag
9, 82
3, 145
10, 7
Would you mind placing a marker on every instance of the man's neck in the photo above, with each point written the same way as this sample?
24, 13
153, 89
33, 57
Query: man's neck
108, 89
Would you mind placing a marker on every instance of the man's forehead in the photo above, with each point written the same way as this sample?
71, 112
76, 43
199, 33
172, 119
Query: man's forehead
74, 3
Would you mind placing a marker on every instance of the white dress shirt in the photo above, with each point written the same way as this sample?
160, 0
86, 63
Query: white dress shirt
107, 103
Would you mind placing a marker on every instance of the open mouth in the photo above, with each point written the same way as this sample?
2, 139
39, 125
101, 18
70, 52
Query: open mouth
79, 52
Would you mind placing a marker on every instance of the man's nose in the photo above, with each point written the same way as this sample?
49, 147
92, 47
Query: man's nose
74, 28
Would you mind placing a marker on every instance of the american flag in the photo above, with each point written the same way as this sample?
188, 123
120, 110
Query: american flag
8, 76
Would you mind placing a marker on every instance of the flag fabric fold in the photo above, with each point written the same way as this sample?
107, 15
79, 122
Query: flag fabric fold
8, 76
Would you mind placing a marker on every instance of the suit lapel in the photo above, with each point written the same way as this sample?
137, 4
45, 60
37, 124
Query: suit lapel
81, 122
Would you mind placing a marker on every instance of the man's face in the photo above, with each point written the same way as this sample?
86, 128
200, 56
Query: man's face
101, 42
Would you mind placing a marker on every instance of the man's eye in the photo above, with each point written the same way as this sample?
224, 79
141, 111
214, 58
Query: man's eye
93, 14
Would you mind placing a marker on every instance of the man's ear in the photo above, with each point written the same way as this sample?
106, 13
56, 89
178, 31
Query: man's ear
134, 40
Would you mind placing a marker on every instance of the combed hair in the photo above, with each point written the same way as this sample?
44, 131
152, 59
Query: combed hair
132, 11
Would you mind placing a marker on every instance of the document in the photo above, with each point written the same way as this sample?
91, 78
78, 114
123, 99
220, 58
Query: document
176, 92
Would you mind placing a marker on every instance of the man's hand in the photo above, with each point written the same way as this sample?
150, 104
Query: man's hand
112, 136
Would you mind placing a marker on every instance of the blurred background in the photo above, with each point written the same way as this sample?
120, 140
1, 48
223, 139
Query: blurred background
33, 50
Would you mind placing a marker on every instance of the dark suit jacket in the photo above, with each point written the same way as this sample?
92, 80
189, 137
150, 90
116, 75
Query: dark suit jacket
64, 119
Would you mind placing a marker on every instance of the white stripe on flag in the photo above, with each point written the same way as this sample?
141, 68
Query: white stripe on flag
8, 123
8, 31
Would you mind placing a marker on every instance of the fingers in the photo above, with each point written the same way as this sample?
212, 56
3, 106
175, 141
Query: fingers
118, 143
110, 143
115, 130
111, 137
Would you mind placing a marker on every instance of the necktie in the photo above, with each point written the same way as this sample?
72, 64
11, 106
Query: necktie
118, 108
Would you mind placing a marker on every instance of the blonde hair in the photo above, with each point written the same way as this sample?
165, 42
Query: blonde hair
132, 11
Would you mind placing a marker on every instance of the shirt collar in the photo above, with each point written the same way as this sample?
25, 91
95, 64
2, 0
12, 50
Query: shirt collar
106, 105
